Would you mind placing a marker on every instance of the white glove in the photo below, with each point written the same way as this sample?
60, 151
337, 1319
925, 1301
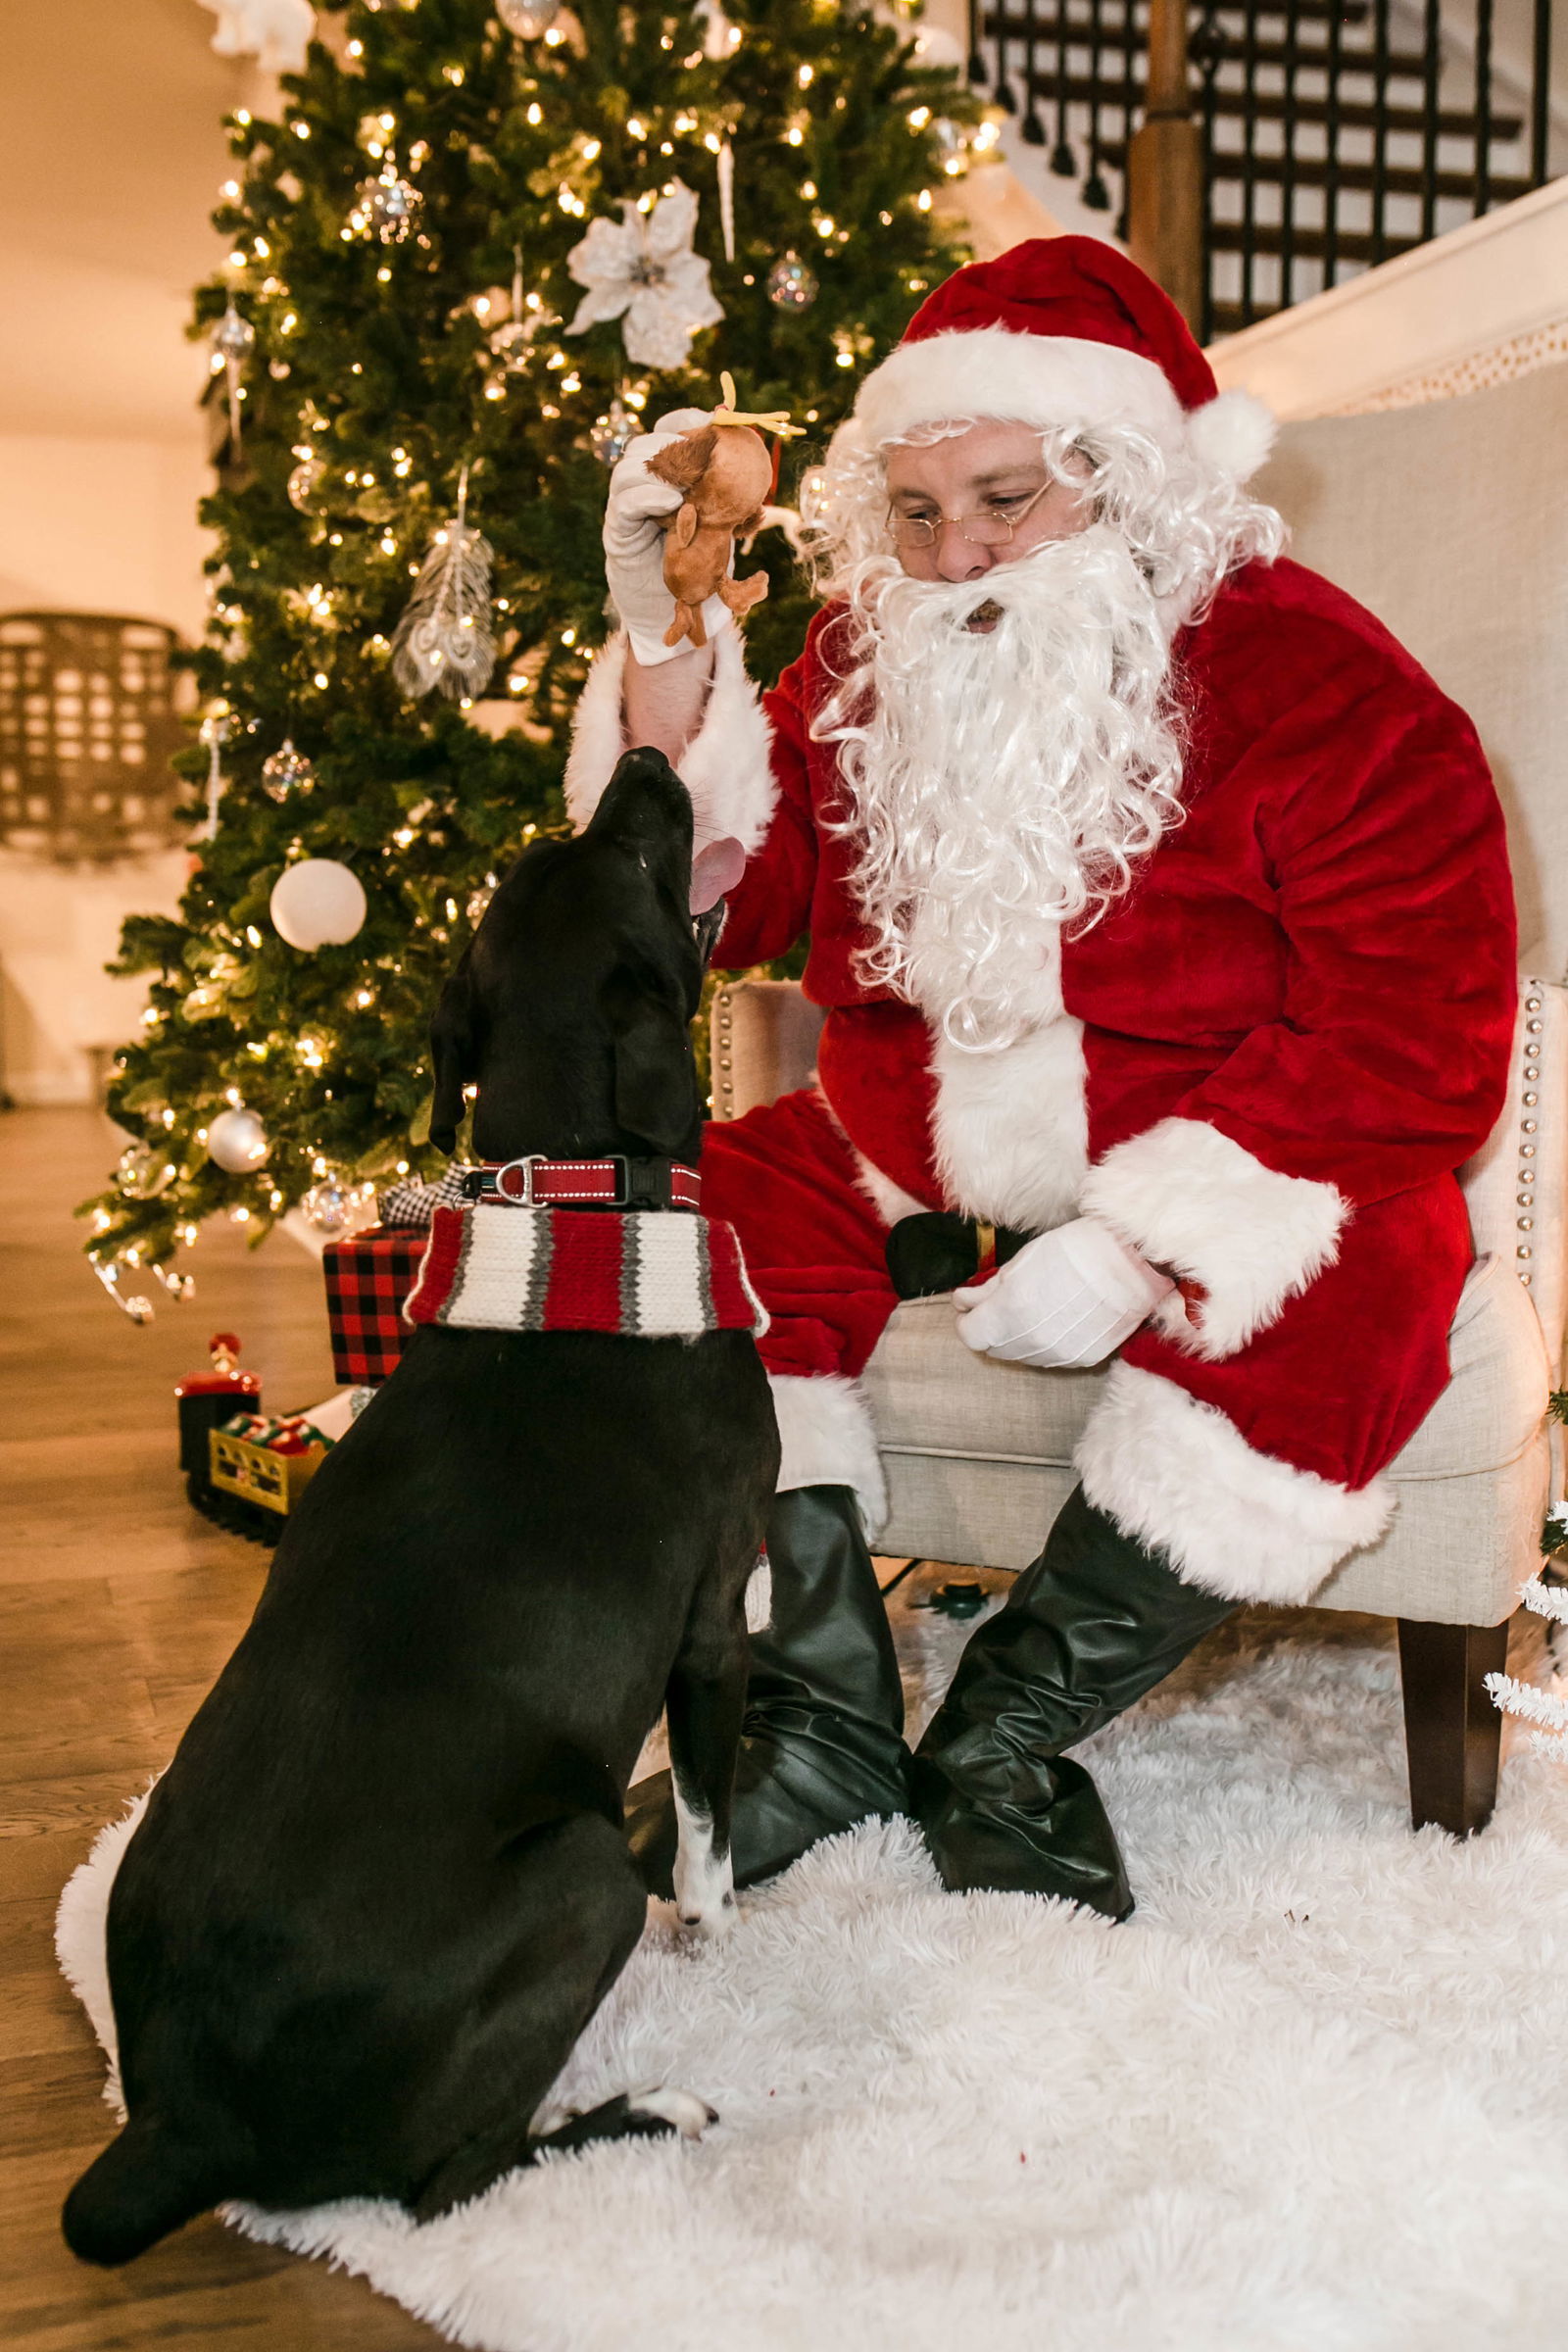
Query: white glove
634, 544
1068, 1298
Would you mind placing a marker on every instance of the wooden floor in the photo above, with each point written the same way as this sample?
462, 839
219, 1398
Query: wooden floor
117, 1607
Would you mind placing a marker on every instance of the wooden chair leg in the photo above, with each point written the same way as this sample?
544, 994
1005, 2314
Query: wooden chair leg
1453, 1732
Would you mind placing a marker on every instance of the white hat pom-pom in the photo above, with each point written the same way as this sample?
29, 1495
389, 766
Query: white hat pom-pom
1233, 434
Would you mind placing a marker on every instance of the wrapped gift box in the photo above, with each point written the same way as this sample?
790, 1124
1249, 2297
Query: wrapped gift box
367, 1279
264, 1459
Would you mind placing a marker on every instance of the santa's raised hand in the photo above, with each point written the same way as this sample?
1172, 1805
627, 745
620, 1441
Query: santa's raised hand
639, 508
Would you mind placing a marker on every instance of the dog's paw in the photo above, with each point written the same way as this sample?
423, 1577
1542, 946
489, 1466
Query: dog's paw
552, 2118
682, 2110
704, 1883
713, 1917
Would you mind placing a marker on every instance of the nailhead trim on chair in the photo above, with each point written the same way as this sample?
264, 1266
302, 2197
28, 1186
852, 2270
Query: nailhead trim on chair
1526, 1195
724, 1074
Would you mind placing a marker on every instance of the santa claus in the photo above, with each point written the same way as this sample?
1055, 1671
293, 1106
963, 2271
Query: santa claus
1159, 910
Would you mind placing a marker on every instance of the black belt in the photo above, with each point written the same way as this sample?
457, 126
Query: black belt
938, 1252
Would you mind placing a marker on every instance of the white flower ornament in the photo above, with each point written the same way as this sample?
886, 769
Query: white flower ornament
645, 271
276, 33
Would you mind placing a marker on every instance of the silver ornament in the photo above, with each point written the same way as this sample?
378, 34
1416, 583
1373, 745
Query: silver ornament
215, 731
613, 433
386, 206
304, 481
792, 284
951, 138
512, 342
234, 339
527, 18
444, 638
326, 1205
237, 1141
139, 1309
145, 1170
287, 771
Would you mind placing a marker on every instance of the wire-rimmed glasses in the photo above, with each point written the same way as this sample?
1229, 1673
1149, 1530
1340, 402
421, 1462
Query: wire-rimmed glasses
987, 528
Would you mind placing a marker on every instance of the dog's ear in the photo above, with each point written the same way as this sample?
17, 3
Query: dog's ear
684, 463
654, 1089
454, 1054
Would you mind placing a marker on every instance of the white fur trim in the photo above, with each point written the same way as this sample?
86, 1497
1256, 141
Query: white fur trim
728, 766
759, 1598
598, 732
1010, 1129
825, 1427
725, 767
1056, 380
1035, 379
890, 1200
1196, 1202
80, 1936
1233, 434
1175, 1473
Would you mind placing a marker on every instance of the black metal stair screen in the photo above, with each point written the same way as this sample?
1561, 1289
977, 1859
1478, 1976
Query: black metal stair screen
1338, 133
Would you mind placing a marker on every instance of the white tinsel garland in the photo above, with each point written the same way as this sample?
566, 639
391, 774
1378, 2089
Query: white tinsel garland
1531, 1705
1548, 1600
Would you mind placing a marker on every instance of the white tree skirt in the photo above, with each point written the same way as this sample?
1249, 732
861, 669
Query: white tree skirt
1311, 2097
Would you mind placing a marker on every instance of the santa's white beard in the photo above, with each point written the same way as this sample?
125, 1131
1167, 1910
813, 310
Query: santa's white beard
1002, 784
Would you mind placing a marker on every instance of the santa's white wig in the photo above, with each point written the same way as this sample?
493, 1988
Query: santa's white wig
1188, 519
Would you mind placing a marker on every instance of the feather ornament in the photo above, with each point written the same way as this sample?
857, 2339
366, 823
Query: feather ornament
445, 637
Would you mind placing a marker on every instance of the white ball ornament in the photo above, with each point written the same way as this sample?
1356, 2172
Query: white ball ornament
237, 1141
527, 18
317, 904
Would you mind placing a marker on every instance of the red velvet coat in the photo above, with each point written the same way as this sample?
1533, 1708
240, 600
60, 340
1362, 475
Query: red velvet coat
1262, 1069
1271, 1056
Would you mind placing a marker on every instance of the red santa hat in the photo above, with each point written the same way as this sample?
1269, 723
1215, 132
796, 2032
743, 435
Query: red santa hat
1063, 332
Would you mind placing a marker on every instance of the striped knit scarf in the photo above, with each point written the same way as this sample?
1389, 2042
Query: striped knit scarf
660, 1274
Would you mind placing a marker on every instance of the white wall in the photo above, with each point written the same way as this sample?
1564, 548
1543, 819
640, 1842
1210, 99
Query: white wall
103, 524
111, 154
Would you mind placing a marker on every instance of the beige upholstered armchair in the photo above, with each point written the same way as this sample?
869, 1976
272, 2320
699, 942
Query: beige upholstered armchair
1439, 519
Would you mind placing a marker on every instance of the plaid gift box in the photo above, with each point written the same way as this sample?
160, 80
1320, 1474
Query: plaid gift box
367, 1279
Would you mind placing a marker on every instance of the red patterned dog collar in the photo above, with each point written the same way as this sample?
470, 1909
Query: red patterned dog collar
645, 1276
614, 1182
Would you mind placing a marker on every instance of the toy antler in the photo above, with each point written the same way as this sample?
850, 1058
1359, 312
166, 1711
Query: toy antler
773, 420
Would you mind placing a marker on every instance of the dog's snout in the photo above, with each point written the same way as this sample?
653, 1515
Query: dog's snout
644, 785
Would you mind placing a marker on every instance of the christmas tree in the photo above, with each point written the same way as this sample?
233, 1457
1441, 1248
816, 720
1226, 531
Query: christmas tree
485, 240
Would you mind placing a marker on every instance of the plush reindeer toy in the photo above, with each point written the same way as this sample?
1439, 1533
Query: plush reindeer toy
725, 471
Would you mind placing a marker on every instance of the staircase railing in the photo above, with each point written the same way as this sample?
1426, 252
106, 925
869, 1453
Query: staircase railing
1254, 152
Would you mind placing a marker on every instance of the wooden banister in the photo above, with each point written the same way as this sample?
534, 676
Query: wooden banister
1165, 168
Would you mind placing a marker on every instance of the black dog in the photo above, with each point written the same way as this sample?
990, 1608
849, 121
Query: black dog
382, 1886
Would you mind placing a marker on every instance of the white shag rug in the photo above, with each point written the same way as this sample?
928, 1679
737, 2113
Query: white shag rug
1312, 2098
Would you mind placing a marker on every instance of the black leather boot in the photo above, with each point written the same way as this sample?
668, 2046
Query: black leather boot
1095, 1622
823, 1745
